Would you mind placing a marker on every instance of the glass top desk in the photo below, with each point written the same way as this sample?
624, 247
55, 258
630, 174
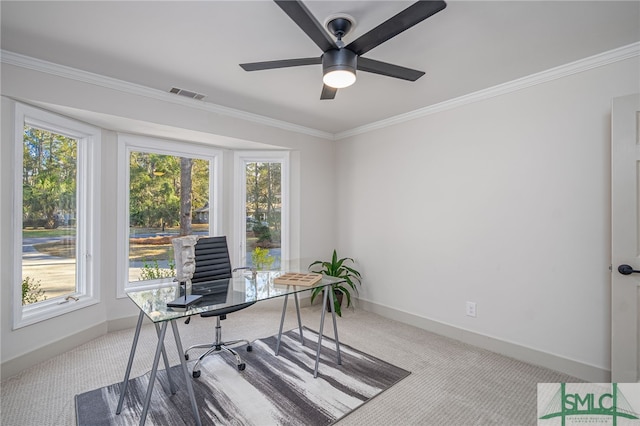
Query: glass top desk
247, 288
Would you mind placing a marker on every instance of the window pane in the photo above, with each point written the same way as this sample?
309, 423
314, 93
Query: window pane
156, 182
264, 214
48, 215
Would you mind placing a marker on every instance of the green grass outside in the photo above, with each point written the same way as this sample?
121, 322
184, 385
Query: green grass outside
67, 248
147, 252
68, 232
48, 233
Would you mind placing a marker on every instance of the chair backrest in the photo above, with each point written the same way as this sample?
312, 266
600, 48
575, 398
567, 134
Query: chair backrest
212, 259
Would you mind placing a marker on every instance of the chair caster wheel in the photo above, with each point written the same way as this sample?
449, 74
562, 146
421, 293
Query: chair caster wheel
242, 366
249, 348
186, 357
196, 374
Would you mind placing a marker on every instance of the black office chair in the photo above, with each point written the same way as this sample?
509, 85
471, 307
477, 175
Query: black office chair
213, 263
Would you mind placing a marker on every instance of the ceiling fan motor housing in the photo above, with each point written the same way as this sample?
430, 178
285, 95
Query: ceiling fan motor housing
339, 60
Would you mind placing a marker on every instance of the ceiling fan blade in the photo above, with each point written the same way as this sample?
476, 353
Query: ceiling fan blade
404, 20
307, 23
328, 92
284, 63
390, 70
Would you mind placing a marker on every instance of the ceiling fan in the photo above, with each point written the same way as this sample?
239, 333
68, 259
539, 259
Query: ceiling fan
340, 61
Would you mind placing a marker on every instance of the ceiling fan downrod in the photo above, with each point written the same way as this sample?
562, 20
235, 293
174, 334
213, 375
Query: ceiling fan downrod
339, 27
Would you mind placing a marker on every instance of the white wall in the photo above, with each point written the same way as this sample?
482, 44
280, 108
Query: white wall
504, 202
312, 181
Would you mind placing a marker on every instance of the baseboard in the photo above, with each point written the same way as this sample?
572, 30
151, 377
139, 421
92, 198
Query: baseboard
14, 366
122, 323
574, 368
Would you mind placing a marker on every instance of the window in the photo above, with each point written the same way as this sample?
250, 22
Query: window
262, 181
56, 219
166, 189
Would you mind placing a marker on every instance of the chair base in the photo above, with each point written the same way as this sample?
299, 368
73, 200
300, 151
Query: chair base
216, 347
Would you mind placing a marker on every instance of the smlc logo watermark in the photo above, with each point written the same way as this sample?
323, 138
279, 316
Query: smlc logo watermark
616, 404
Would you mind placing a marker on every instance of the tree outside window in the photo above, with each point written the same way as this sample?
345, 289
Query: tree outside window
56, 220
264, 209
49, 215
168, 197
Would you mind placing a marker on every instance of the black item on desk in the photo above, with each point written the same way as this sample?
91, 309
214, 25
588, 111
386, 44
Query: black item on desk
185, 301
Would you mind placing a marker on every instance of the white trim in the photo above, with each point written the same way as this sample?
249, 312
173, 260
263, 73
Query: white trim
87, 213
14, 366
615, 55
63, 71
128, 143
588, 372
240, 197
601, 59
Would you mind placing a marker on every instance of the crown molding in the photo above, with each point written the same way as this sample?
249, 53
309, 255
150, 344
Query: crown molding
599, 60
63, 71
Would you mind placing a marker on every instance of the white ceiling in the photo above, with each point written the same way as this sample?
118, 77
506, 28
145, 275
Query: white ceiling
469, 46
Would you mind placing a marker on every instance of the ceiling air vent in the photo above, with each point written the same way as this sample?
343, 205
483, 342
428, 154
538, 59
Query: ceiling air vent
187, 93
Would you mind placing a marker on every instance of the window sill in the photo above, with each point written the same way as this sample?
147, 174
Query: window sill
41, 311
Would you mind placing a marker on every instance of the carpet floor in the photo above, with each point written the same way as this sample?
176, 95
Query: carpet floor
270, 391
451, 383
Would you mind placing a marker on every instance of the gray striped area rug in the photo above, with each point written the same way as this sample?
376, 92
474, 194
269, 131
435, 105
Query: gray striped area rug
270, 391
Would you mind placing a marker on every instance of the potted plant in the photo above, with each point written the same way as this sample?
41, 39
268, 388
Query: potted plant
337, 268
261, 259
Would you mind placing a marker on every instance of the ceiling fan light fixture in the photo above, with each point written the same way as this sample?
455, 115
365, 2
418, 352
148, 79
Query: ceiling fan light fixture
339, 79
339, 68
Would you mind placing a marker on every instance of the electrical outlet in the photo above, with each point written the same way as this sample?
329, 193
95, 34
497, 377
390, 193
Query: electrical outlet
471, 309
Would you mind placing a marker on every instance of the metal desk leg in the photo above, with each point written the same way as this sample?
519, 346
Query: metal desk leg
187, 376
172, 387
324, 309
335, 331
284, 311
299, 320
154, 370
125, 382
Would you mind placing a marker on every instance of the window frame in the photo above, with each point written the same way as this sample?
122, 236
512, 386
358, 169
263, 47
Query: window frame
241, 158
128, 143
88, 213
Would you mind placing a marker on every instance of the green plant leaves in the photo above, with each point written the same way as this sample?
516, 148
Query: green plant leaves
337, 268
